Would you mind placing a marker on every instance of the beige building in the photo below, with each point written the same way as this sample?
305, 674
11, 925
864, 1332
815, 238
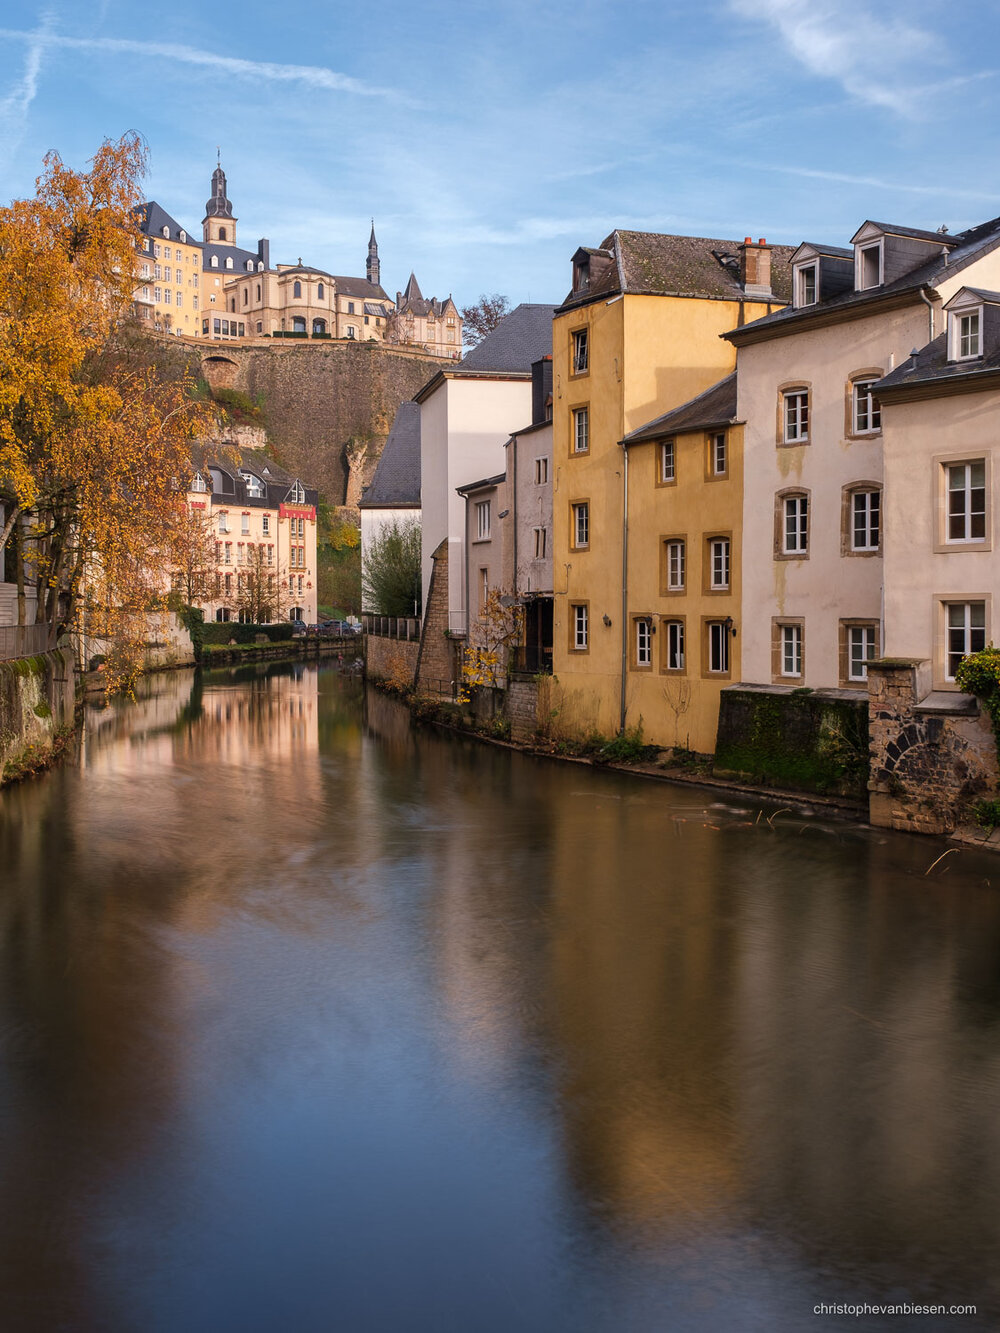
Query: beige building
940, 411
259, 546
431, 324
813, 530
169, 290
527, 531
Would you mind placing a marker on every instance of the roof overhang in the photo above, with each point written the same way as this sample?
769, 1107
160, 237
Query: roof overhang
809, 317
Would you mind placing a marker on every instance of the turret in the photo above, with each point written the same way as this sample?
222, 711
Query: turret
219, 223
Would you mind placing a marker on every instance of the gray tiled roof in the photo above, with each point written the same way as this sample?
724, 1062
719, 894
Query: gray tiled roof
368, 291
153, 219
656, 264
917, 233
970, 245
715, 407
396, 483
931, 363
485, 484
521, 338
237, 459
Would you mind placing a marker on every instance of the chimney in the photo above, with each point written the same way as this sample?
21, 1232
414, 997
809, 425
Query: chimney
755, 268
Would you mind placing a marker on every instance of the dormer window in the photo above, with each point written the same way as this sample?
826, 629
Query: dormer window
215, 261
260, 266
297, 495
868, 266
966, 334
199, 484
249, 265
183, 237
229, 261
581, 274
806, 284
166, 232
254, 485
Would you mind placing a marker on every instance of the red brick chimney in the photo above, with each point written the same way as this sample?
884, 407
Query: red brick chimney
755, 267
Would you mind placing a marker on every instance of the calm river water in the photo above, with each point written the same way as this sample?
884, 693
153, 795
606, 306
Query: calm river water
311, 1023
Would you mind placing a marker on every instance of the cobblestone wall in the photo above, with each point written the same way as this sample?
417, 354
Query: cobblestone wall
437, 661
37, 699
932, 754
392, 660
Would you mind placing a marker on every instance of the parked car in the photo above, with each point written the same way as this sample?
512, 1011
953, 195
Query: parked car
339, 629
298, 627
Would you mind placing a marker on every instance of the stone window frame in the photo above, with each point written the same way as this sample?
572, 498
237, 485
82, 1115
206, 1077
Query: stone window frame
708, 588
574, 345
847, 494
707, 624
779, 623
665, 623
844, 627
659, 455
584, 604
940, 604
636, 619
710, 439
573, 506
939, 501
784, 390
575, 409
853, 379
665, 543
790, 493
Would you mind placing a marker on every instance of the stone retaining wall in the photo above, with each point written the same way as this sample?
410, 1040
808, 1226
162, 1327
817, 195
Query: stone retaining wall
933, 754
392, 660
37, 701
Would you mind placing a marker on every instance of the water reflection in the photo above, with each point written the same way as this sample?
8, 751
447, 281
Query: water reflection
312, 1020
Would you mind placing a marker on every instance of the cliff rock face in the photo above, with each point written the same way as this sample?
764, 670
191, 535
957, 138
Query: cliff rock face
328, 406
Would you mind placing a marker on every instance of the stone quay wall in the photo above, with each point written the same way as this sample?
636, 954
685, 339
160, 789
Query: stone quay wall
391, 660
438, 660
37, 704
933, 754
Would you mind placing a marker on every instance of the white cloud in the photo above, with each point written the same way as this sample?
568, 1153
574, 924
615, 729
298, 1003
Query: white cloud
314, 76
877, 60
15, 106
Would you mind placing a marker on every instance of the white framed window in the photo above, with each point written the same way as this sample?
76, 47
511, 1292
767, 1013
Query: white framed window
265, 524
214, 261
541, 471
581, 525
966, 334
719, 563
668, 461
676, 565
795, 529
675, 645
807, 284
868, 266
719, 456
966, 633
229, 261
482, 520
718, 647
158, 271
199, 484
966, 487
297, 495
581, 430
157, 294
581, 626
581, 351
244, 523
791, 650
351, 331
861, 649
223, 522
866, 410
156, 250
228, 553
865, 520
795, 415
540, 543
643, 642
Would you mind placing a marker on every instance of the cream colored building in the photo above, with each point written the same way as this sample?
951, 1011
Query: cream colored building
813, 527
261, 523
169, 291
940, 418
429, 323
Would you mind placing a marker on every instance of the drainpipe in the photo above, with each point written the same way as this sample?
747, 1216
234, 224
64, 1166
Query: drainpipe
621, 719
930, 310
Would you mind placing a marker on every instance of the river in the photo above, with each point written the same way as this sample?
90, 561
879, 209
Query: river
311, 1022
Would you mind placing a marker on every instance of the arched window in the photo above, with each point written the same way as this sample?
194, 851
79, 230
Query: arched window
260, 266
319, 291
297, 291
222, 233
319, 326
215, 261
166, 231
258, 291
229, 261
298, 324
184, 237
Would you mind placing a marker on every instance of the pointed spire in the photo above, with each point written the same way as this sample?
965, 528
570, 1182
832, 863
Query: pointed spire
219, 206
372, 266
413, 292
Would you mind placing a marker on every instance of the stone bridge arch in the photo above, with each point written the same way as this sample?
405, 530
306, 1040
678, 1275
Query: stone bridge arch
220, 371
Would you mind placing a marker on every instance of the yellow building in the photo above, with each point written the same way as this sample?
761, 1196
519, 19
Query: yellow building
639, 336
169, 290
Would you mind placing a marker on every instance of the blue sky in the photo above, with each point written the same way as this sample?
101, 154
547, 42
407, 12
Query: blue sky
490, 140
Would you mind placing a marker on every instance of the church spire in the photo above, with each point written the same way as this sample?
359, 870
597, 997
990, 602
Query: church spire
372, 266
219, 222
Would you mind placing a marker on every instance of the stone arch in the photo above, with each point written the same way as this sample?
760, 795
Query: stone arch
220, 371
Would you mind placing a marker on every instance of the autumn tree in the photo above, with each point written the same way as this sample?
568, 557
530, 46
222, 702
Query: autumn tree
260, 589
482, 318
390, 570
493, 636
94, 450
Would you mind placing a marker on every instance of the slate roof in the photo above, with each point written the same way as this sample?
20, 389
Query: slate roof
277, 481
715, 407
931, 364
969, 246
917, 233
396, 483
367, 291
224, 252
521, 338
834, 251
153, 218
651, 263
482, 485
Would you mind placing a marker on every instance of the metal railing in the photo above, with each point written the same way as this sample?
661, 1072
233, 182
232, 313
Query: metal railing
391, 627
25, 640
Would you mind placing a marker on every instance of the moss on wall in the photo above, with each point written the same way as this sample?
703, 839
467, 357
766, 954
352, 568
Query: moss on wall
815, 741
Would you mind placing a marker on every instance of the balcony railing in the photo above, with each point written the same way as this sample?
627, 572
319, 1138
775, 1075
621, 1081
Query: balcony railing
25, 640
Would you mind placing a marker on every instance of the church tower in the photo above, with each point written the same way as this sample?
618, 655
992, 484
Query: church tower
219, 224
372, 267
